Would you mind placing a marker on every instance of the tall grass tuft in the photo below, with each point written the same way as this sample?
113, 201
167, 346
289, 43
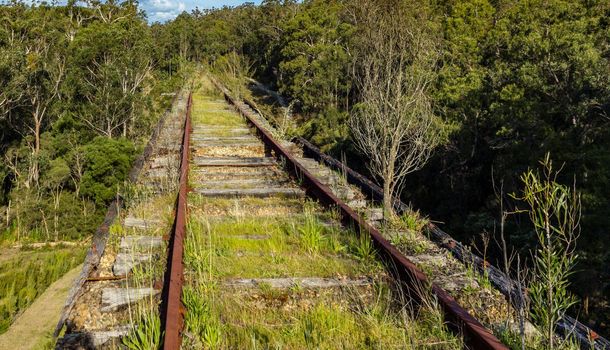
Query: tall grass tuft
363, 248
147, 335
199, 320
311, 233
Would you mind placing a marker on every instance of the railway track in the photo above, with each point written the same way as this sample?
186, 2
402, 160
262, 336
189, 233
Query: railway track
122, 275
265, 248
269, 249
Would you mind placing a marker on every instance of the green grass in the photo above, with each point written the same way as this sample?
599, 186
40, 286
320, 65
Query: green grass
293, 248
212, 111
295, 319
24, 278
359, 317
147, 335
363, 248
200, 320
146, 332
311, 232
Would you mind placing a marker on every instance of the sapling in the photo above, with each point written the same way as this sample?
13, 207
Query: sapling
554, 210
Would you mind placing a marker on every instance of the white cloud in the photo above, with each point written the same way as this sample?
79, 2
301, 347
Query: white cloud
164, 10
164, 4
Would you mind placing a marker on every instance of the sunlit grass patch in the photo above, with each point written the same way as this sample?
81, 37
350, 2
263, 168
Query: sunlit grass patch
148, 333
158, 207
24, 278
202, 324
273, 248
358, 318
211, 112
242, 208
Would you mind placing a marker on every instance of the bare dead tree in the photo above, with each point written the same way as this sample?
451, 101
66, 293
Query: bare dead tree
394, 125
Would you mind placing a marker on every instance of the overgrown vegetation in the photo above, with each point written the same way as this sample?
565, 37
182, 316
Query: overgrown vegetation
217, 251
554, 210
25, 277
282, 273
514, 80
80, 88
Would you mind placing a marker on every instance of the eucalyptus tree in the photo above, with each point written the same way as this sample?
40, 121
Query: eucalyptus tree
35, 44
315, 56
113, 61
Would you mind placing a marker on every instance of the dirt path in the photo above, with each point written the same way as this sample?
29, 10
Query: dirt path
35, 324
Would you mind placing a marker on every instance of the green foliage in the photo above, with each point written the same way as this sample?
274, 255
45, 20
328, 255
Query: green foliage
412, 220
516, 79
147, 335
328, 129
67, 74
363, 248
199, 320
314, 58
311, 232
107, 164
58, 173
554, 209
234, 70
35, 217
24, 278
110, 76
302, 49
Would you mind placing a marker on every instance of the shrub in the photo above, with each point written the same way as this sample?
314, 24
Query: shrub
107, 164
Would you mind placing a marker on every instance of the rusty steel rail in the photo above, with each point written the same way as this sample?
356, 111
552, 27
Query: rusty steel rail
172, 311
475, 335
100, 237
587, 337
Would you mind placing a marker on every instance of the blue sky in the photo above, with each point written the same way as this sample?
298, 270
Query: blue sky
164, 10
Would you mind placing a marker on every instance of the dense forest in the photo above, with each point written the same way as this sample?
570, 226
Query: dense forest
82, 86
80, 90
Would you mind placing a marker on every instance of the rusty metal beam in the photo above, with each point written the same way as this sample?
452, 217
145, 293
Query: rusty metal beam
172, 314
